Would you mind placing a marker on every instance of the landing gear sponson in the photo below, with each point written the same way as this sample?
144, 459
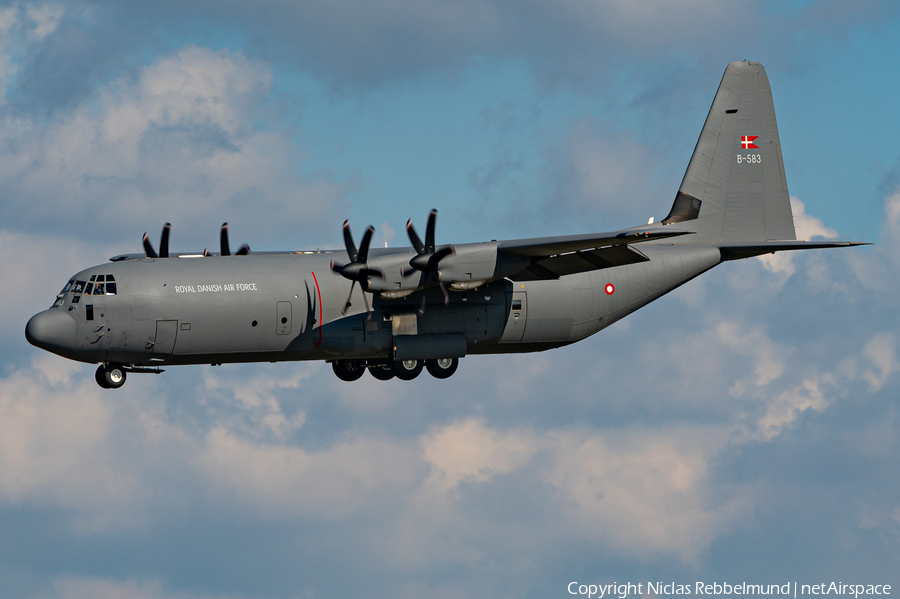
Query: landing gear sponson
384, 370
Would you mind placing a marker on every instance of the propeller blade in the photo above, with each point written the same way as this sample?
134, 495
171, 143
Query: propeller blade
414, 238
348, 304
205, 253
441, 254
148, 247
363, 255
164, 241
337, 268
446, 295
223, 241
243, 250
429, 231
348, 242
366, 302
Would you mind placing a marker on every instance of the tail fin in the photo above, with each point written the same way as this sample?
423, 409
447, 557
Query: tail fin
735, 186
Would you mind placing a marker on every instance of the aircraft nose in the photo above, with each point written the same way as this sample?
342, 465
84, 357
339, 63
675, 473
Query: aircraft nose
50, 329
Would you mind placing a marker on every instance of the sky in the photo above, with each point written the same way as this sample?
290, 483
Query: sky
744, 428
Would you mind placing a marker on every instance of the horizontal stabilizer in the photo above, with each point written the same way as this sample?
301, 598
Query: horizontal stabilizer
748, 250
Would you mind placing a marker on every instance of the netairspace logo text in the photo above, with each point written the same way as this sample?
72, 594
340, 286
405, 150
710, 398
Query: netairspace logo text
791, 589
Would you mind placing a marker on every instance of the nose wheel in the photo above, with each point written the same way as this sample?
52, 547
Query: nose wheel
110, 376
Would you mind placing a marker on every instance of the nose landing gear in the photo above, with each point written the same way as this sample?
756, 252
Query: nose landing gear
110, 376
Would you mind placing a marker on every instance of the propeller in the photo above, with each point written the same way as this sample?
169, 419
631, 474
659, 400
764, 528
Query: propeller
427, 260
223, 243
357, 270
163, 244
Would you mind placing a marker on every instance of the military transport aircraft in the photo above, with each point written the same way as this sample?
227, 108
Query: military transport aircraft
395, 311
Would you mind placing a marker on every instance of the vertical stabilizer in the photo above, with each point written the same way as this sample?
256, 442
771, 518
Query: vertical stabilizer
734, 189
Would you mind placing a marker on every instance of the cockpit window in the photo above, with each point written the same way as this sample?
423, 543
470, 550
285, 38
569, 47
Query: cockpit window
97, 285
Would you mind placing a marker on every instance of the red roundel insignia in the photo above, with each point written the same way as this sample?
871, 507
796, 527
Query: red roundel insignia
610, 289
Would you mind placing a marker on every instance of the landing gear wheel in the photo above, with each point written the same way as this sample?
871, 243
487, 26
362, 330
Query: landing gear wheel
382, 372
442, 368
100, 377
348, 370
110, 376
407, 370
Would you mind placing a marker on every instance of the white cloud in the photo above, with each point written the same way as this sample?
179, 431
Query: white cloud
40, 21
45, 17
470, 451
881, 351
276, 481
56, 433
176, 144
768, 356
784, 410
806, 228
645, 492
260, 409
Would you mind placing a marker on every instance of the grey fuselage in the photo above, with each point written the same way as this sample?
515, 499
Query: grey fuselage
287, 307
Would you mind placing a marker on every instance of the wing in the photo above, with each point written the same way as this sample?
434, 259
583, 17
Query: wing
553, 257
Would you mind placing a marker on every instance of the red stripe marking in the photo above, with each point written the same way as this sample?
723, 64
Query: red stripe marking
319, 293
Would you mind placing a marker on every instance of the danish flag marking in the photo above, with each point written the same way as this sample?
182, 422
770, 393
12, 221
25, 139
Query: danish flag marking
747, 142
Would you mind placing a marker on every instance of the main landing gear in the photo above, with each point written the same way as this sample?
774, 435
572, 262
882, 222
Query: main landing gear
384, 370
